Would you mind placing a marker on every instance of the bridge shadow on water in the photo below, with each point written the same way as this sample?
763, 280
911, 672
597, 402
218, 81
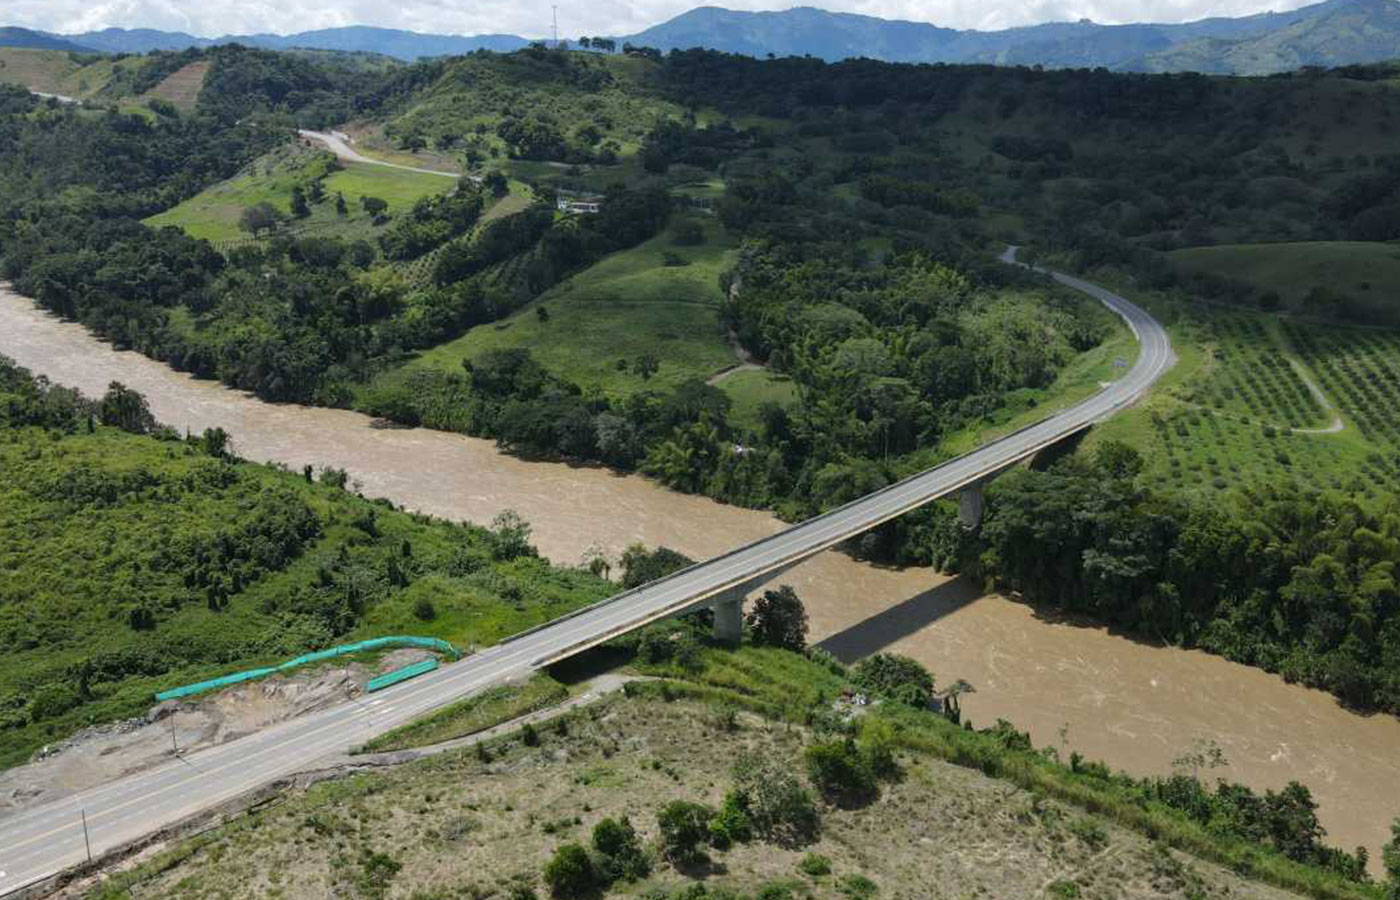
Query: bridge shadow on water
903, 619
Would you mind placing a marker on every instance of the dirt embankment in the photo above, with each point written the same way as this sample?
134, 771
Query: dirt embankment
104, 752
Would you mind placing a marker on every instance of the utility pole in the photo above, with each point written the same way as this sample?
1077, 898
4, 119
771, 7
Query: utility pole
86, 842
173, 745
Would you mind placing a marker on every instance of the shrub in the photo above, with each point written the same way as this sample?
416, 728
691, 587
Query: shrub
685, 827
620, 855
894, 676
814, 864
840, 773
570, 872
857, 887
731, 825
779, 807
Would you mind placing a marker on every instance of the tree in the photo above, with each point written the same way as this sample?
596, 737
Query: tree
894, 676
641, 566
215, 442
620, 854
340, 208
496, 183
300, 208
1118, 460
126, 409
570, 872
374, 205
511, 536
839, 771
685, 827
780, 808
260, 217
778, 619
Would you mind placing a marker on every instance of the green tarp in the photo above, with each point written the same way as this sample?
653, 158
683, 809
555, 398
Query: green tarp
380, 682
374, 643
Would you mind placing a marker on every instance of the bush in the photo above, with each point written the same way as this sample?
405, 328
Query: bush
685, 828
780, 809
894, 676
840, 773
570, 872
620, 855
857, 887
731, 825
814, 864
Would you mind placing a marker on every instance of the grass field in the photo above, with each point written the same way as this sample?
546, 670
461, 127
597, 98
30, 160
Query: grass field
182, 87
1366, 274
53, 72
750, 389
627, 305
213, 213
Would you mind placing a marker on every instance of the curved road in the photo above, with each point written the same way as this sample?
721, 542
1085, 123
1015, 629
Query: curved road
338, 145
43, 841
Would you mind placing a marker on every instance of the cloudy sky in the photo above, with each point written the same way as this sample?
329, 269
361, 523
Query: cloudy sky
531, 17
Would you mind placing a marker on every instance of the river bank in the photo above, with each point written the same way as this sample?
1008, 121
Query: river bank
1131, 704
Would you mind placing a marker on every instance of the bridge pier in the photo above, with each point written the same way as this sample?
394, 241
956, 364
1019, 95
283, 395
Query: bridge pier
970, 504
729, 616
728, 605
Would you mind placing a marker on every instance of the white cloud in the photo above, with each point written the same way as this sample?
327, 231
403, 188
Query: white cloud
532, 18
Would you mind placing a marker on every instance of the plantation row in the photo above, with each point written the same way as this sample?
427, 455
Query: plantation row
1362, 371
1255, 378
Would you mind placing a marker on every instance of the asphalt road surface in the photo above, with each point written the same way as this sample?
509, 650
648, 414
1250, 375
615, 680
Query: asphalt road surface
47, 839
341, 148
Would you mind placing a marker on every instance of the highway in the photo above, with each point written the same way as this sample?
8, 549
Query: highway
43, 841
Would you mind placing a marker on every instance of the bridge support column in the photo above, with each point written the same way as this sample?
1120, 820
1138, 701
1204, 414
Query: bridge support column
970, 505
729, 616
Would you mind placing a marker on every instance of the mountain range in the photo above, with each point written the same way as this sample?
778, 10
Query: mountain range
1330, 33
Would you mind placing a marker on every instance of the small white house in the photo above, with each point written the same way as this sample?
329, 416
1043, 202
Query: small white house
585, 205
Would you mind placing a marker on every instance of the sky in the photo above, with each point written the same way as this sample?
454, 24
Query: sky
530, 18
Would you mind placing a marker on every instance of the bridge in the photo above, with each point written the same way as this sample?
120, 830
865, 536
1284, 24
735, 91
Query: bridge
40, 843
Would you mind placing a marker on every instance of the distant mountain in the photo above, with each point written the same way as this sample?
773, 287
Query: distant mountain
38, 40
406, 45
387, 41
1331, 33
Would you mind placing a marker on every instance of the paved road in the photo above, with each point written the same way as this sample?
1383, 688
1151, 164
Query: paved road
45, 840
338, 145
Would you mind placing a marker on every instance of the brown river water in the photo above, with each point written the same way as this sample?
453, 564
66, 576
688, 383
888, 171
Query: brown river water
1134, 705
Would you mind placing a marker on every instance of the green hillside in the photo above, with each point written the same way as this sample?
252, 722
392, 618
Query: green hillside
214, 213
1351, 279
659, 298
132, 560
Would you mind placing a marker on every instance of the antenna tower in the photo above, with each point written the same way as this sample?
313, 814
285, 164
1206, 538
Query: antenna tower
556, 26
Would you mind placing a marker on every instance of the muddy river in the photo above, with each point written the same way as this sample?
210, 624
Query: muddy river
1134, 705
